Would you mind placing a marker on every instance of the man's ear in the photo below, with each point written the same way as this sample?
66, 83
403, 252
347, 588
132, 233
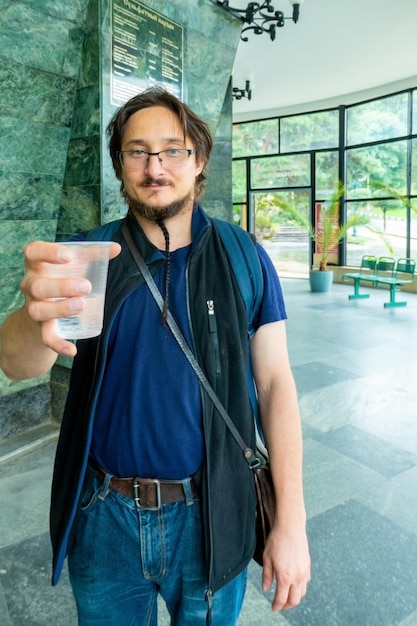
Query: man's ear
199, 167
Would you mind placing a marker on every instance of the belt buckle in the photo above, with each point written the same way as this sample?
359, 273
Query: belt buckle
136, 496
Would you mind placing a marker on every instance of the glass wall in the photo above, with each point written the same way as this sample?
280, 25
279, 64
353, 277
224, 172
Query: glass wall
371, 147
377, 120
326, 174
309, 131
255, 138
280, 171
285, 241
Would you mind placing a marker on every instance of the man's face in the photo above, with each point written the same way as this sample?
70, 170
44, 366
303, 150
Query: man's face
154, 188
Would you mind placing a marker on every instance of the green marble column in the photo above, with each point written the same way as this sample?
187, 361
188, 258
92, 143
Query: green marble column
40, 54
55, 173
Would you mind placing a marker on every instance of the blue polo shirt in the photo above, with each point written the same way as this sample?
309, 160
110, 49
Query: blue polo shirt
149, 417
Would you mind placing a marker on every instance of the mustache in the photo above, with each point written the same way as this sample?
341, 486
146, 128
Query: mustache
154, 181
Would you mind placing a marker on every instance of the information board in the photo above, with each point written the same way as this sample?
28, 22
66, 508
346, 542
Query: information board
147, 48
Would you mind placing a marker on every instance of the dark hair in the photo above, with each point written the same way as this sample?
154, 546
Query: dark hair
192, 125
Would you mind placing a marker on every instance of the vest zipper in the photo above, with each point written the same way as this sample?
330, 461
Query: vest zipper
208, 595
212, 324
209, 592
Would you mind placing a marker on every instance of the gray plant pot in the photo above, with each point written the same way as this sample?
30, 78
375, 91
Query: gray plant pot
321, 281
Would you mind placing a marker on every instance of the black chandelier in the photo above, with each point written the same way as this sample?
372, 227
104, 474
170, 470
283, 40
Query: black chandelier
258, 16
238, 94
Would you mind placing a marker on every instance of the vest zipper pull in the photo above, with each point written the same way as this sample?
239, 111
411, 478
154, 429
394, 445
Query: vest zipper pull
211, 316
209, 600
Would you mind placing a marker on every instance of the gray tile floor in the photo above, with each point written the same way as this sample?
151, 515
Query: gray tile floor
355, 364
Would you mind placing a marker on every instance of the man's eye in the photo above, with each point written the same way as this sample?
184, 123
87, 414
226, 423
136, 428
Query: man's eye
173, 151
137, 153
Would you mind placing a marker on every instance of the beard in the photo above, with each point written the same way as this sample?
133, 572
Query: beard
157, 213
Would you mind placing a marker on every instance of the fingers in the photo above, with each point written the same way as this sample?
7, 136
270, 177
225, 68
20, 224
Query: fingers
39, 283
42, 310
38, 252
48, 297
115, 250
56, 343
291, 584
267, 574
41, 287
288, 596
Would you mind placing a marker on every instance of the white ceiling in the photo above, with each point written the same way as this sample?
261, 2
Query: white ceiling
338, 48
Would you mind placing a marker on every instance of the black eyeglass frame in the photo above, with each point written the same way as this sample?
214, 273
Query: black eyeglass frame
120, 153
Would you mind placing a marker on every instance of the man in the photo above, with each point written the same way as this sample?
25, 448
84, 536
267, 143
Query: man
135, 408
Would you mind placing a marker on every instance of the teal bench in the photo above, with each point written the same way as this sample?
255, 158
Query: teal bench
366, 270
385, 271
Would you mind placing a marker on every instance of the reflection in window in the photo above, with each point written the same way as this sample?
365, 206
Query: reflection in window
415, 112
309, 132
327, 174
387, 216
255, 138
240, 213
383, 163
282, 171
413, 227
282, 235
376, 120
414, 165
239, 181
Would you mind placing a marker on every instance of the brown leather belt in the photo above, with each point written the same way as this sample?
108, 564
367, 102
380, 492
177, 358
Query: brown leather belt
149, 493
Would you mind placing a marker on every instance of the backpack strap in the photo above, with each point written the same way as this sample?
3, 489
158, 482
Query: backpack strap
104, 232
244, 260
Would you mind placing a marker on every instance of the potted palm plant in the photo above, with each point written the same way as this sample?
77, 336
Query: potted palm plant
327, 234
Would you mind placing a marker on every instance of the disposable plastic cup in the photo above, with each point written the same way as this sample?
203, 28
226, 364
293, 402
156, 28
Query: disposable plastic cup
90, 260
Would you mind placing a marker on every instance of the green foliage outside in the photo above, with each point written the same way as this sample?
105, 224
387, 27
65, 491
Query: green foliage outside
328, 232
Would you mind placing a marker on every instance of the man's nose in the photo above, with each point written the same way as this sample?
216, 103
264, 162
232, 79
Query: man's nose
154, 164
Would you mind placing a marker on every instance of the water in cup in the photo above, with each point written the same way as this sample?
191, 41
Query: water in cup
88, 323
90, 260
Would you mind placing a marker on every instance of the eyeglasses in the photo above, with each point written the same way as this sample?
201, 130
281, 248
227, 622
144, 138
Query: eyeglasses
172, 158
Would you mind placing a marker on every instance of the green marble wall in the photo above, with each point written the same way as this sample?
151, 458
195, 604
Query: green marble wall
55, 172
81, 193
40, 55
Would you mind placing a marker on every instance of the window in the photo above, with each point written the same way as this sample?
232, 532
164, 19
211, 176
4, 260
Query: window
379, 159
384, 163
376, 120
309, 132
389, 217
413, 227
414, 165
327, 174
255, 138
239, 181
282, 171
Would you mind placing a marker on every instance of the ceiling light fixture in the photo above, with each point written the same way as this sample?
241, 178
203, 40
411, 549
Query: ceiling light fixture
238, 94
258, 16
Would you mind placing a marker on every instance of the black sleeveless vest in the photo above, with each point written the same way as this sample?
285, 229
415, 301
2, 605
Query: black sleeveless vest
226, 482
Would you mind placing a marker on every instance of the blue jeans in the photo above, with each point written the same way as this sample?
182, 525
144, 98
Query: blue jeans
122, 558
